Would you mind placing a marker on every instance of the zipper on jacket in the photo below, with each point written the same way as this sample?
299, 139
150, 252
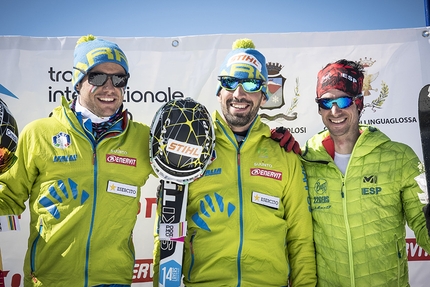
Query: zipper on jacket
33, 277
87, 248
342, 193
239, 252
399, 255
238, 147
348, 234
33, 253
192, 255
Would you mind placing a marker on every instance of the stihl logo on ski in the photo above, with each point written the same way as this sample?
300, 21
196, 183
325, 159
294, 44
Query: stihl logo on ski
182, 148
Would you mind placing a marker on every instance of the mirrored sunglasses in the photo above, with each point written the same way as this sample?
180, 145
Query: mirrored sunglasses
248, 85
99, 79
342, 102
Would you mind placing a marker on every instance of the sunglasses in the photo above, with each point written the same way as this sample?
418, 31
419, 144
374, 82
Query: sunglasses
249, 85
342, 102
99, 79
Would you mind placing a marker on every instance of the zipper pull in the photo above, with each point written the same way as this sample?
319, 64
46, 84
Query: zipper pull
341, 191
33, 278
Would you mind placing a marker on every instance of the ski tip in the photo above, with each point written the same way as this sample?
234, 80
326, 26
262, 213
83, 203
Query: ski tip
425, 91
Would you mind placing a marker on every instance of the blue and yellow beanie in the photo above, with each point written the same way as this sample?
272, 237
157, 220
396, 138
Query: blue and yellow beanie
245, 62
90, 52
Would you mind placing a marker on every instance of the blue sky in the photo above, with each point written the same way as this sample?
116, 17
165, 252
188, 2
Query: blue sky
170, 18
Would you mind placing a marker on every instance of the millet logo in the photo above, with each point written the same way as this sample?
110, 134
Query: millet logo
370, 179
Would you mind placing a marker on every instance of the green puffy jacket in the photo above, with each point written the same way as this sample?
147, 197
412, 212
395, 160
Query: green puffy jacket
83, 199
359, 218
249, 221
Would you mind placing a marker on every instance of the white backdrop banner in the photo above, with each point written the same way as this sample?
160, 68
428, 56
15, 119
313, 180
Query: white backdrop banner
37, 71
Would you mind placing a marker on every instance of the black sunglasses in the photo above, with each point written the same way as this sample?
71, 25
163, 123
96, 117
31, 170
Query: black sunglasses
99, 79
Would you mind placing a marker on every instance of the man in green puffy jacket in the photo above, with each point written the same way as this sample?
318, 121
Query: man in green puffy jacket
248, 217
363, 189
81, 171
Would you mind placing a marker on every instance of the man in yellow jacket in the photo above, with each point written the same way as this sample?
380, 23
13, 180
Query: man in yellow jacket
80, 170
362, 187
249, 220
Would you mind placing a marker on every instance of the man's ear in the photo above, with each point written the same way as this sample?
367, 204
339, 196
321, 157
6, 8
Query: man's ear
263, 100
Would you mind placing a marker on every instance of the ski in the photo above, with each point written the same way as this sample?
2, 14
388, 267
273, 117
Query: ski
181, 145
172, 231
424, 122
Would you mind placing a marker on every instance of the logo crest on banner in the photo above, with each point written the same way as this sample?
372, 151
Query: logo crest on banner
368, 88
275, 90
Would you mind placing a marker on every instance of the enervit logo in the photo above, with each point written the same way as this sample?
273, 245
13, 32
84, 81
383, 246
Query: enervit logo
111, 158
266, 173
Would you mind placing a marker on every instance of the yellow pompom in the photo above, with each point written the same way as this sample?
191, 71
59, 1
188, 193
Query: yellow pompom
243, 43
87, 38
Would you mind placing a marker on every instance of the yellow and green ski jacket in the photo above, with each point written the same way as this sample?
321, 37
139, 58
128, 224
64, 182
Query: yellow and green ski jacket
249, 220
83, 197
359, 217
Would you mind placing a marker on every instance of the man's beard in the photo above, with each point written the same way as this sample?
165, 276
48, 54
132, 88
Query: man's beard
241, 119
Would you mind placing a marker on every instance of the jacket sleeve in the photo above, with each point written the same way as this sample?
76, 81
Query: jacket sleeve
411, 203
16, 183
300, 243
